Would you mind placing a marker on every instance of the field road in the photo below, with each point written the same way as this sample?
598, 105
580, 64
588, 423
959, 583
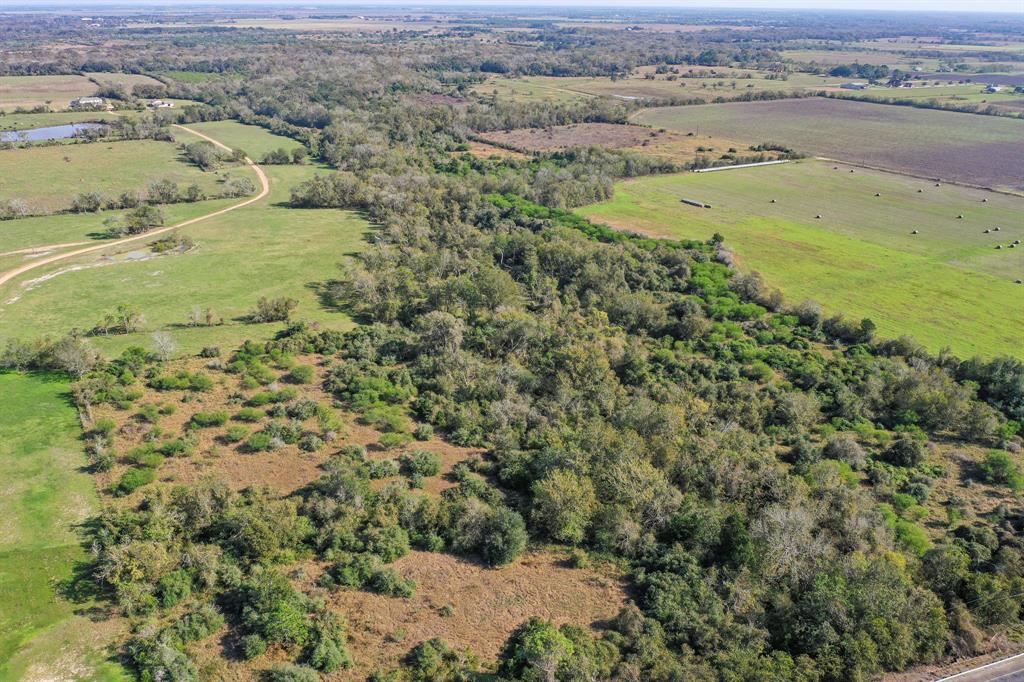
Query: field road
264, 191
1007, 670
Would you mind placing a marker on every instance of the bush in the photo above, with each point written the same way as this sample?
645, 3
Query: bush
384, 468
272, 310
301, 374
329, 655
302, 409
311, 442
421, 463
423, 432
389, 582
845, 448
253, 645
198, 624
905, 451
1000, 468
390, 441
236, 434
133, 479
249, 414
259, 442
208, 419
174, 587
179, 447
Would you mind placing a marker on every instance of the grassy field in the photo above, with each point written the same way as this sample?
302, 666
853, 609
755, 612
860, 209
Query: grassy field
265, 249
45, 495
254, 141
947, 285
32, 91
48, 177
127, 80
982, 150
690, 83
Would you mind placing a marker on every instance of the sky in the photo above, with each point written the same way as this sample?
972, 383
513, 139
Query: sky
1014, 6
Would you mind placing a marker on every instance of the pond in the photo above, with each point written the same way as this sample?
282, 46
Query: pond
49, 133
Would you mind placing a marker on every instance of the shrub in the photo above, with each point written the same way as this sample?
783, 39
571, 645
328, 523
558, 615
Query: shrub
253, 645
999, 467
133, 479
311, 442
273, 309
104, 427
174, 587
178, 447
423, 432
329, 655
421, 463
259, 442
198, 624
208, 419
845, 448
236, 434
389, 582
249, 414
301, 374
384, 468
390, 441
905, 451
302, 409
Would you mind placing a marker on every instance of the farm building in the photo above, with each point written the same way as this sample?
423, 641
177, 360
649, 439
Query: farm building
994, 88
854, 86
160, 104
86, 102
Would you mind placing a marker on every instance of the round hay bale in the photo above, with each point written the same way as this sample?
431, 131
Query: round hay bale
919, 191
914, 232
818, 217
984, 201
1013, 246
851, 170
999, 247
987, 231
997, 228
1016, 241
878, 194
960, 217
937, 184
773, 201
1018, 281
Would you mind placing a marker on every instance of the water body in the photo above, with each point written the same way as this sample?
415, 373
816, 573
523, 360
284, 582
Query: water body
49, 133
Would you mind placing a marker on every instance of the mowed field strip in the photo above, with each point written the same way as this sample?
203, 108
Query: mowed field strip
948, 285
987, 151
261, 248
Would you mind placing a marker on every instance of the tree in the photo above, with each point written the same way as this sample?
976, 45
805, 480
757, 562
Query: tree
87, 202
905, 451
163, 192
203, 154
273, 309
75, 355
536, 647
142, 219
563, 504
163, 346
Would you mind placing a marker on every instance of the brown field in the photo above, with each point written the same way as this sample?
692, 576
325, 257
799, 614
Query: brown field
32, 91
976, 150
483, 150
663, 144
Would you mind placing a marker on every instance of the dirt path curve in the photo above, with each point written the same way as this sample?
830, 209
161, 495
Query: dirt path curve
264, 191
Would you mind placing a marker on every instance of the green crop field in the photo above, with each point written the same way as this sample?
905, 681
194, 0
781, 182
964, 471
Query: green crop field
32, 91
947, 285
981, 150
265, 249
48, 177
45, 494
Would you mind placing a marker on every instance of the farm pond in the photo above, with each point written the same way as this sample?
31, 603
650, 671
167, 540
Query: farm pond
49, 133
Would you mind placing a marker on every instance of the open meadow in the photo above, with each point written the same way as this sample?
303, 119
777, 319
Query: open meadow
45, 496
946, 285
47, 178
264, 249
33, 91
979, 150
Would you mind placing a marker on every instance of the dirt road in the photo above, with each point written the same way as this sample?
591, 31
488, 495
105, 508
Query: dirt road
264, 191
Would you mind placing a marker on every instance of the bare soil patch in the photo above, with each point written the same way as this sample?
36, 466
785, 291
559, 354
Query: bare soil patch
610, 135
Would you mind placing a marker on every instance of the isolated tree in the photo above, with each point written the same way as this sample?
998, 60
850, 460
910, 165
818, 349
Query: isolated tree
87, 202
163, 191
163, 346
273, 309
142, 219
203, 154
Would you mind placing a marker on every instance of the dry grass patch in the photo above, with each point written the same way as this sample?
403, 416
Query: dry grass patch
485, 605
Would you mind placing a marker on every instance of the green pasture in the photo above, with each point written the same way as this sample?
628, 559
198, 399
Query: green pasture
44, 497
48, 177
253, 140
265, 249
946, 285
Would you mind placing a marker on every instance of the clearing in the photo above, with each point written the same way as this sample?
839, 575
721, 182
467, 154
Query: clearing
48, 177
33, 91
967, 148
946, 286
263, 249
45, 496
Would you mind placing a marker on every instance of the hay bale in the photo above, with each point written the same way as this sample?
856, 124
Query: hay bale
851, 170
1018, 281
818, 217
1016, 241
937, 184
773, 201
878, 194
835, 167
987, 231
914, 232
984, 201
996, 229
919, 191
960, 217
999, 247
